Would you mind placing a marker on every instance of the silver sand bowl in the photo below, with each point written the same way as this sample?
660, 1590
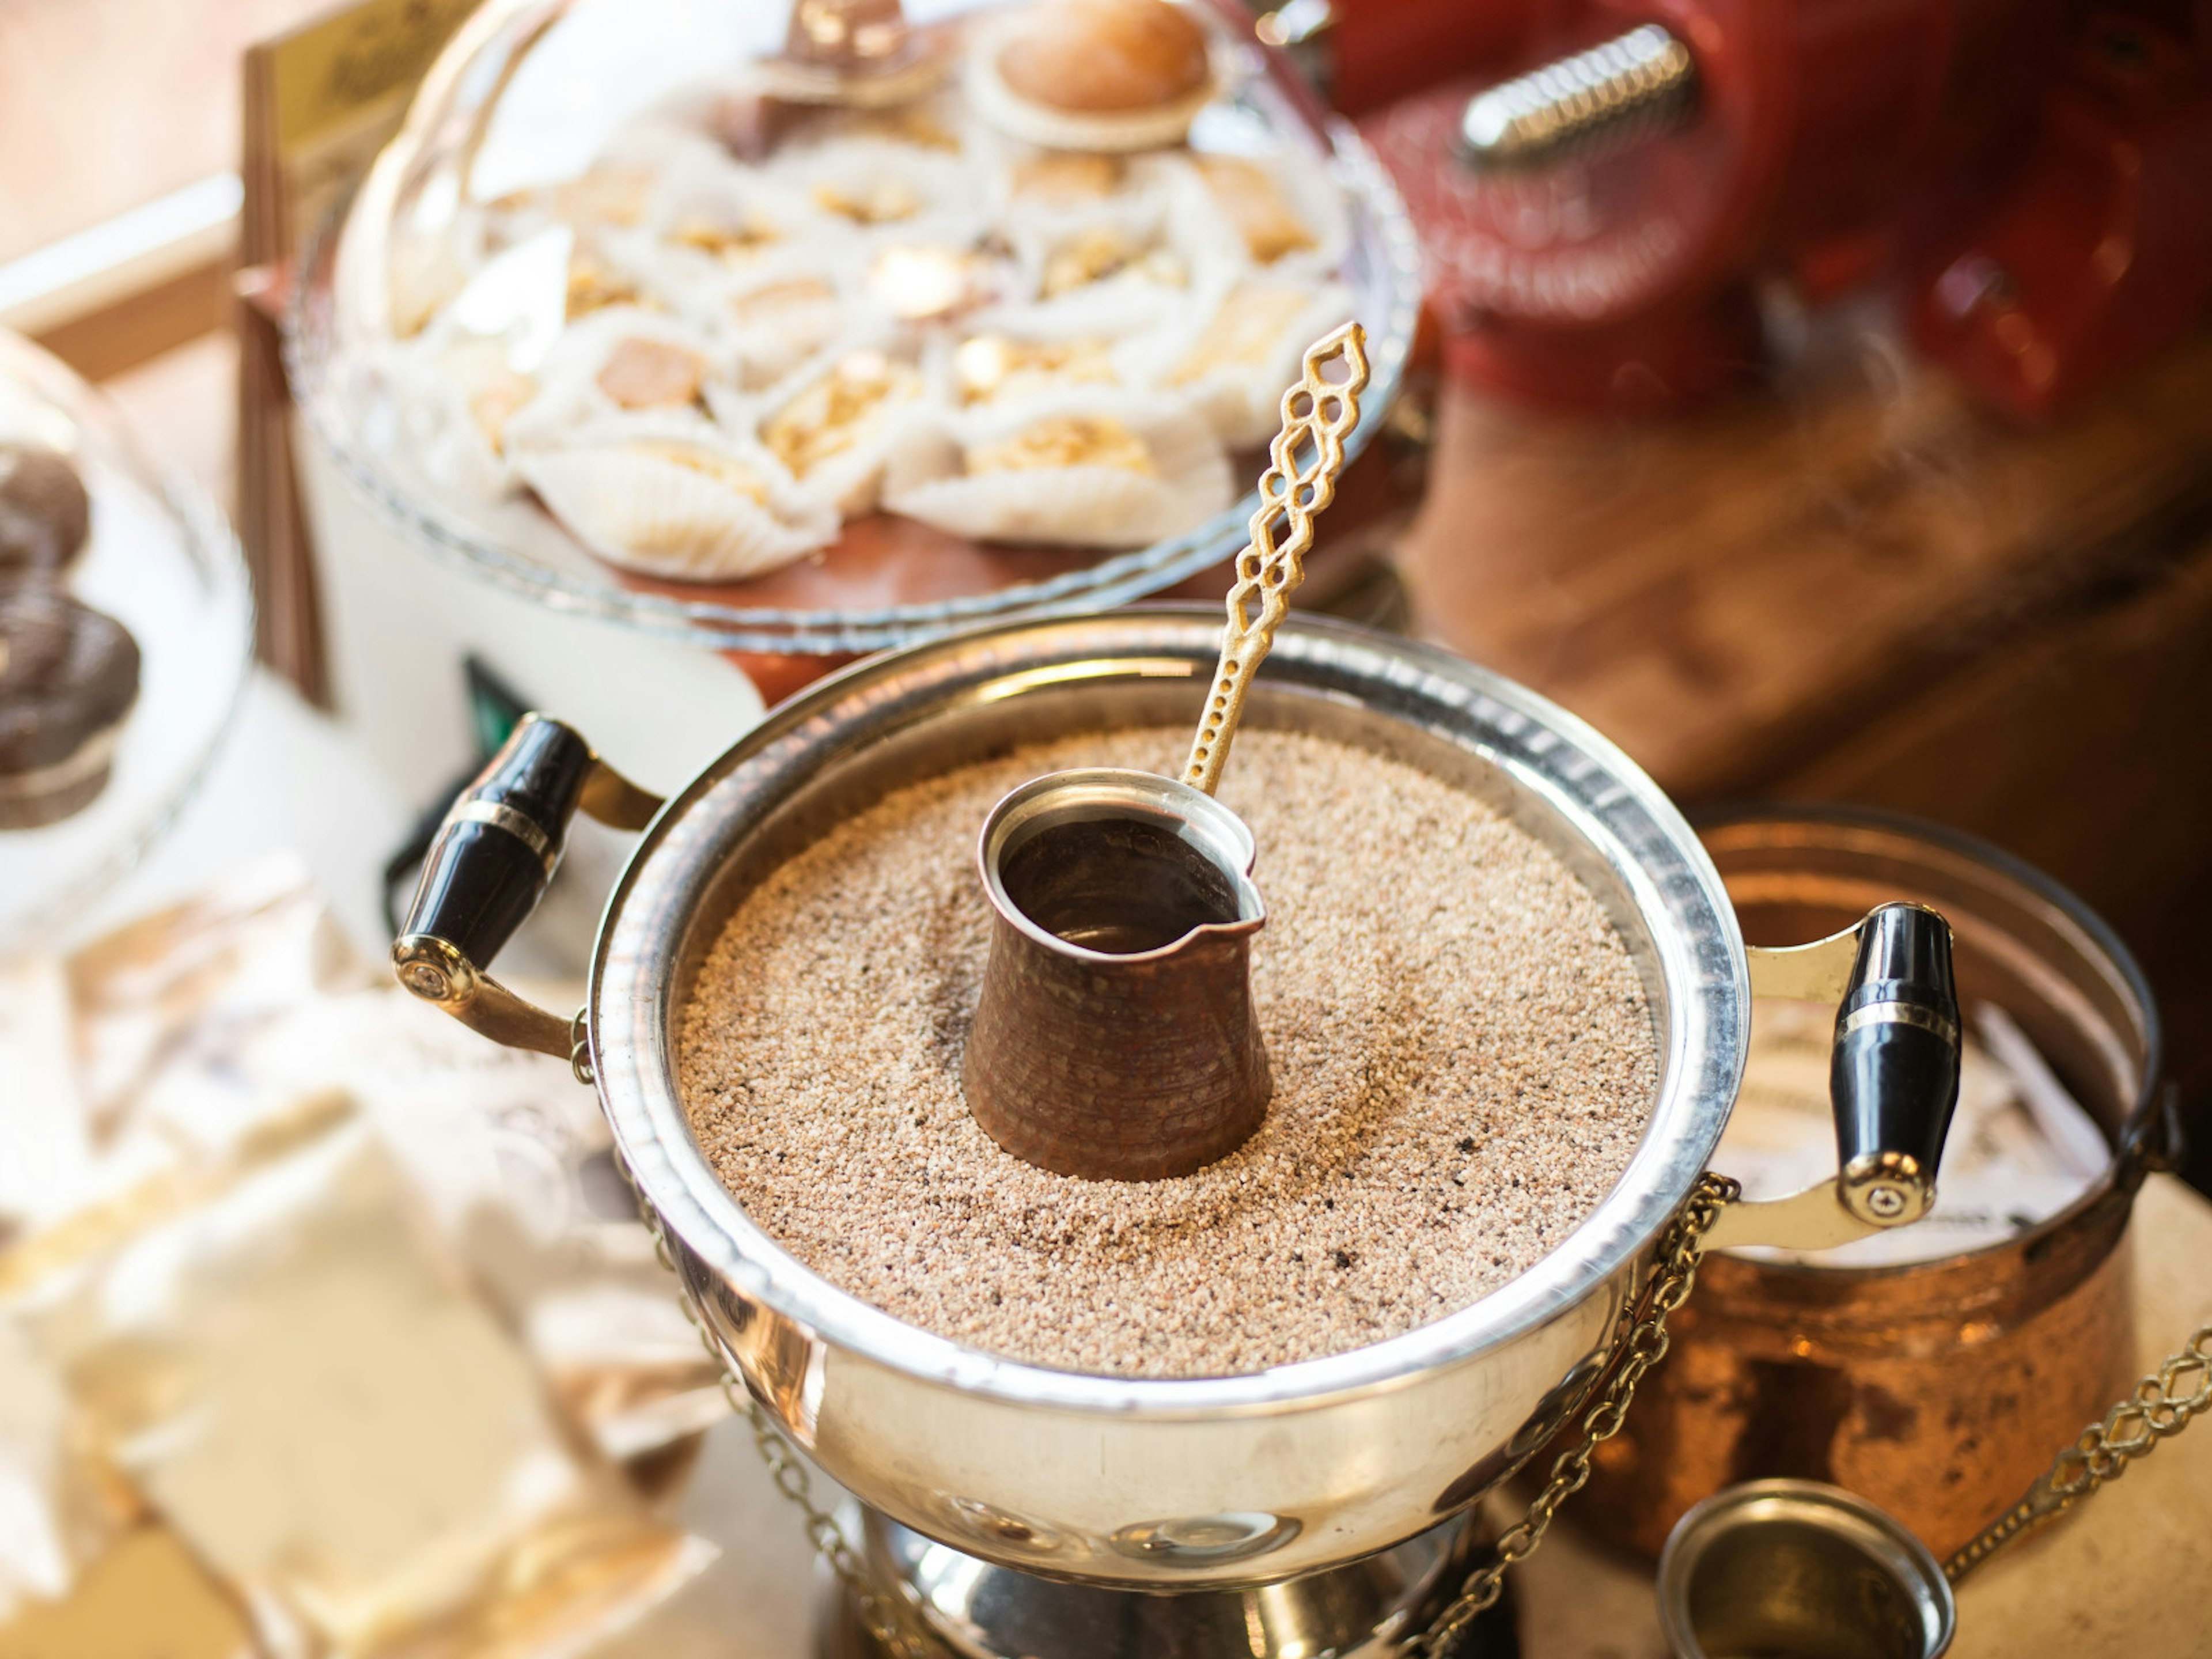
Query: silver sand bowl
1207, 1484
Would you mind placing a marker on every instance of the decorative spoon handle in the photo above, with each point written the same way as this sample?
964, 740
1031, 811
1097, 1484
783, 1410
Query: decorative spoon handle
1318, 414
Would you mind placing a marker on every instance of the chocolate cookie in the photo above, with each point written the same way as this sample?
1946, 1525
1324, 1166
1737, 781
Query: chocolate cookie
43, 511
67, 677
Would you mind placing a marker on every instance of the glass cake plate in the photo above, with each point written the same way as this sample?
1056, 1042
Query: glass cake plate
162, 562
525, 98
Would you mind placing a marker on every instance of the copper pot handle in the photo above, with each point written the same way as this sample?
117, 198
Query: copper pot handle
1892, 1077
492, 860
2154, 1142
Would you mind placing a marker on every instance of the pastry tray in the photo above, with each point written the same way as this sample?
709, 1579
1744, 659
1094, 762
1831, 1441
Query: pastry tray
888, 581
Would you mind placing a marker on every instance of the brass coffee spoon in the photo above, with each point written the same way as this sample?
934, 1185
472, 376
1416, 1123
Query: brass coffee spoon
1274, 561
1114, 1038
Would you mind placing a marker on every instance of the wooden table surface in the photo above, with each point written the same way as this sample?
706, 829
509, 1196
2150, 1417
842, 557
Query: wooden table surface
1727, 594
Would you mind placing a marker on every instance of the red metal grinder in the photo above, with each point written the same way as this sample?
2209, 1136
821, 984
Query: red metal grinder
1600, 195
2098, 250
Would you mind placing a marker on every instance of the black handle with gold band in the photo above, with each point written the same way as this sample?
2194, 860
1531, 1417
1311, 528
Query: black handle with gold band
501, 842
1894, 1075
491, 864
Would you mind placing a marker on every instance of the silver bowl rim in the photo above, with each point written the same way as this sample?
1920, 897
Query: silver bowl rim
1685, 909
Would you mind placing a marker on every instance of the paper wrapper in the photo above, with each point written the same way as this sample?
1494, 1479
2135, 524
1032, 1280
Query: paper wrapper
511, 1159
301, 1272
306, 1389
215, 1034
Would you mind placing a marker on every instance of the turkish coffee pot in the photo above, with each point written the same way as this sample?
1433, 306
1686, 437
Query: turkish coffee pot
1006, 1508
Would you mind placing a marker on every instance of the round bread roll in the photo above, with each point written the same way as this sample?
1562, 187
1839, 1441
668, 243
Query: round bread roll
1104, 57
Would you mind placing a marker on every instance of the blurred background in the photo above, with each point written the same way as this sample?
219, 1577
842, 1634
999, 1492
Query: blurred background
1814, 397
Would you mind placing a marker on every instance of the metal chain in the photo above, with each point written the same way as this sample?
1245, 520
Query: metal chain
2160, 1406
785, 1465
1640, 1344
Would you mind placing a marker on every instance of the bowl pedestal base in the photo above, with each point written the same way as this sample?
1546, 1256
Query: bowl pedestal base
967, 1609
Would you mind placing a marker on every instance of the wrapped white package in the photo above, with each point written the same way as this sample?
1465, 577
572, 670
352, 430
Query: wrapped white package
300, 1382
225, 1033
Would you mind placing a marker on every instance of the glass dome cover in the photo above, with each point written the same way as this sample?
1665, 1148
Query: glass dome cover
160, 560
527, 105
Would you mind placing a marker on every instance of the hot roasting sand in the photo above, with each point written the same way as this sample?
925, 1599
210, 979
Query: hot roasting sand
1463, 1055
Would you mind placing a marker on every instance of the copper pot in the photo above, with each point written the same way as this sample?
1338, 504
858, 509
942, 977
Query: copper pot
1937, 1390
1115, 1037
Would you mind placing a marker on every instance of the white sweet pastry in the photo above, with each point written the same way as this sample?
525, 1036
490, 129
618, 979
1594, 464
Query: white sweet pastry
710, 215
867, 183
693, 506
779, 317
467, 377
620, 447
1097, 251
1128, 260
1037, 192
456, 395
831, 427
1097, 471
1288, 217
623, 216
1107, 276
1045, 180
621, 361
1232, 369
1014, 353
1005, 366
641, 371
933, 281
603, 272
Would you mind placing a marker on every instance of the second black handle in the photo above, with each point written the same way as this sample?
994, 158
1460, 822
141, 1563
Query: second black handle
1894, 1076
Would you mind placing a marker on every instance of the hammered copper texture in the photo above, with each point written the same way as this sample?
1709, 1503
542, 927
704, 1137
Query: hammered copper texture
1936, 1392
1130, 1070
